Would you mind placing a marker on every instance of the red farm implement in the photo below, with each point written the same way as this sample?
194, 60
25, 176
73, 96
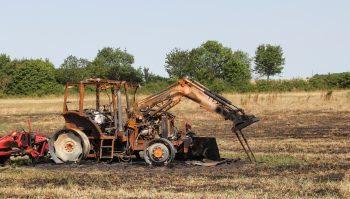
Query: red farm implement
23, 143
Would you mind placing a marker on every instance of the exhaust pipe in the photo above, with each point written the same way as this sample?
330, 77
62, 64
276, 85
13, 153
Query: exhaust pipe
120, 112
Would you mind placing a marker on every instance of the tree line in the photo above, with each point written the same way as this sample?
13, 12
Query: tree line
216, 66
40, 77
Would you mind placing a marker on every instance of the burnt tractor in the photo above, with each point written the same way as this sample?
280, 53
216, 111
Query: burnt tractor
120, 129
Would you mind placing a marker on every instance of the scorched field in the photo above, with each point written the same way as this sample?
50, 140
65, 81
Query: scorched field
302, 145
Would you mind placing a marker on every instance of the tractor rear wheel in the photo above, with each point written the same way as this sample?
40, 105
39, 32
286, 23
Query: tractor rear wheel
159, 152
69, 145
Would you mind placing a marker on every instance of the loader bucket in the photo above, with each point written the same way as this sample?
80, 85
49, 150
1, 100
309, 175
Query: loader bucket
204, 148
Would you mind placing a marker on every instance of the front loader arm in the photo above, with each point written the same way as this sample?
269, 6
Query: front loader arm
198, 93
168, 98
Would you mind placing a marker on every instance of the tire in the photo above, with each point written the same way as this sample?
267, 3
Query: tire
69, 145
159, 152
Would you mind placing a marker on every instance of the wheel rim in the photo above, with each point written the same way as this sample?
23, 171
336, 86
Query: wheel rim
159, 152
68, 147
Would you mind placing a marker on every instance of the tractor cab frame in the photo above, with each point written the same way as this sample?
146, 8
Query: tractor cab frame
92, 132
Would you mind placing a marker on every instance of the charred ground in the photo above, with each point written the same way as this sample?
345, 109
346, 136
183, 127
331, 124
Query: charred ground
300, 153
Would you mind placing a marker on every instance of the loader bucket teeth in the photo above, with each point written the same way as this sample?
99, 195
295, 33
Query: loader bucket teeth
245, 145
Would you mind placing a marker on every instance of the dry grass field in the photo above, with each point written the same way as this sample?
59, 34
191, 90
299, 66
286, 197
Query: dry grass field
302, 144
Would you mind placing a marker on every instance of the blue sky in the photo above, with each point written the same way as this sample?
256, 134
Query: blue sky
315, 35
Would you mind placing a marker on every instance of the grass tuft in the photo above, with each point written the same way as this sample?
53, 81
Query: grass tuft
267, 159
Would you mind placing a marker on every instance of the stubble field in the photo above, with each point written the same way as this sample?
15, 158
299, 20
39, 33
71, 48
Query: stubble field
302, 144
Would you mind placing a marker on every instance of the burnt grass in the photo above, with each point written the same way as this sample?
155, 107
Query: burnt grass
306, 126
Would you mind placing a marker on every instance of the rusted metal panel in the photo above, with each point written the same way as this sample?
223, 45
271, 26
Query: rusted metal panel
81, 98
98, 97
65, 107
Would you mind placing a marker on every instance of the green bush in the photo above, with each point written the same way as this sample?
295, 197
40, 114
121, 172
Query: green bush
330, 81
282, 85
39, 77
156, 86
218, 86
30, 77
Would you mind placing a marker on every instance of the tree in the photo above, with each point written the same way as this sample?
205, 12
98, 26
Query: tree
111, 60
149, 77
4, 79
31, 77
268, 60
178, 63
146, 74
127, 73
72, 69
237, 69
210, 61
4, 59
114, 63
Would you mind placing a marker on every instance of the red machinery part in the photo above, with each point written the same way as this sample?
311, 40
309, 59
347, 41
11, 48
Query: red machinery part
7, 143
21, 144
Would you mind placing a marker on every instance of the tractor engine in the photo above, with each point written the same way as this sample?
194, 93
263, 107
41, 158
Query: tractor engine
160, 126
103, 119
98, 117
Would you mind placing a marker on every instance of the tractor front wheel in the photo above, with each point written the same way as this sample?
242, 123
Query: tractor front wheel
159, 152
